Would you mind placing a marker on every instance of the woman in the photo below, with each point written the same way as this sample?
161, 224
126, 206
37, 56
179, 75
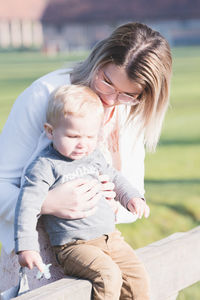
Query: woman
130, 71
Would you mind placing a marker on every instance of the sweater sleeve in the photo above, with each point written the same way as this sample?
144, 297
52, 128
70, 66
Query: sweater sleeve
39, 177
123, 188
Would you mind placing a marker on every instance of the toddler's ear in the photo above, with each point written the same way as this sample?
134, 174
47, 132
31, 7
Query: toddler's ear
48, 130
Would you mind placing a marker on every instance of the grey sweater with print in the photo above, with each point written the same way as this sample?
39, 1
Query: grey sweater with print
48, 170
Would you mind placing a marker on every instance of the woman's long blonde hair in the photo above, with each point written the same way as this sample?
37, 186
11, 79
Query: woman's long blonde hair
145, 56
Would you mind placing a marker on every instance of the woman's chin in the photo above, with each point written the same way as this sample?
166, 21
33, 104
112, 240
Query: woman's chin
106, 104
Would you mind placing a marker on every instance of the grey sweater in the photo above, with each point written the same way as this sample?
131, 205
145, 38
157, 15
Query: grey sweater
48, 170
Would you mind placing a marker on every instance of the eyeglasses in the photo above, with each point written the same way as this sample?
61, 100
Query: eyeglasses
105, 88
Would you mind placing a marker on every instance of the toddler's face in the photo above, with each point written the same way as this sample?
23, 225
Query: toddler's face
76, 137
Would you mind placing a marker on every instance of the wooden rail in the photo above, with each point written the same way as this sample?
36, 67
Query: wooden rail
173, 264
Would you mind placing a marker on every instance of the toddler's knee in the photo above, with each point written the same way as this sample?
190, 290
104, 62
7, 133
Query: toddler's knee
112, 279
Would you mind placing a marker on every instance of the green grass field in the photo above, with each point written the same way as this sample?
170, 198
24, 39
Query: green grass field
172, 179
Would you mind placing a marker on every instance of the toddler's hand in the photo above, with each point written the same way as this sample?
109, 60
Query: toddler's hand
29, 259
138, 206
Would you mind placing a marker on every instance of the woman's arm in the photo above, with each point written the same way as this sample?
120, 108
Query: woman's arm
18, 142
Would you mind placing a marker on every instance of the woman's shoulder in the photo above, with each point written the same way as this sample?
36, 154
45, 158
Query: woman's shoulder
37, 94
53, 79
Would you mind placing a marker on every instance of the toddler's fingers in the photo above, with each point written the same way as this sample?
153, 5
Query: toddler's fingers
132, 208
39, 264
140, 212
147, 211
140, 208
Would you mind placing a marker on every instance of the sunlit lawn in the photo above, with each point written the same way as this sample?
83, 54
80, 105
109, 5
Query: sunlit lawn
172, 179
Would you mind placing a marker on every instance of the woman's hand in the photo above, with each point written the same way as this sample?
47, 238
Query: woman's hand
108, 191
138, 206
74, 199
30, 259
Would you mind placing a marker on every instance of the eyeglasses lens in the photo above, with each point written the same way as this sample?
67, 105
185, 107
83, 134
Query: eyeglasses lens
106, 89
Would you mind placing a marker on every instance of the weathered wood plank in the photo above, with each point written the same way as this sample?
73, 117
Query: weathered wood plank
173, 264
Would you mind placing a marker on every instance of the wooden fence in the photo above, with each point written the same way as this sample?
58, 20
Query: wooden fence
173, 264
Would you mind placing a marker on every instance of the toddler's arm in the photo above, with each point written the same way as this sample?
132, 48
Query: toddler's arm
125, 192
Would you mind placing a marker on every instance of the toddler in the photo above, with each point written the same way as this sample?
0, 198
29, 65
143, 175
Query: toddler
91, 247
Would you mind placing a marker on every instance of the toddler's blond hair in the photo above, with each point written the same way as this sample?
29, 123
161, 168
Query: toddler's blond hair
75, 100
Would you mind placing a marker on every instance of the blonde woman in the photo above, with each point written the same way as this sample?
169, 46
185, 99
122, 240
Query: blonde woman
130, 71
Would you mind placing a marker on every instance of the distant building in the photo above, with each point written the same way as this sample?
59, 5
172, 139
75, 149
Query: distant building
20, 23
78, 24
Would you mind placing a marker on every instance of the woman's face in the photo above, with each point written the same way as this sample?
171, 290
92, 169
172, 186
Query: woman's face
113, 86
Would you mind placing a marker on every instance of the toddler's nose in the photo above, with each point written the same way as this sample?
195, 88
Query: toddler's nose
81, 144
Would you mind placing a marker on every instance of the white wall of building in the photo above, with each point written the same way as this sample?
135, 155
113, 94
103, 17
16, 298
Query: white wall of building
17, 33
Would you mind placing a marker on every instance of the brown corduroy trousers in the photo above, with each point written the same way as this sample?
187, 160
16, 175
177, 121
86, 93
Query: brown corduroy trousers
109, 263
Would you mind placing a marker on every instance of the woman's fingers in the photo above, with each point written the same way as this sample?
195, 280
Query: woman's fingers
72, 198
107, 187
109, 194
92, 201
79, 214
104, 178
86, 195
83, 184
89, 189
